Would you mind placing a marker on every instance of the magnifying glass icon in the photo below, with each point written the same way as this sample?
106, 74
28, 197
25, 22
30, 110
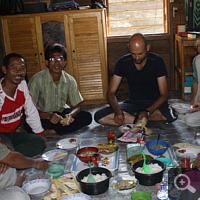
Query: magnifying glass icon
182, 182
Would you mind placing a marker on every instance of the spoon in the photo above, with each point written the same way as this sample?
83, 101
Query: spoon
90, 177
158, 138
145, 166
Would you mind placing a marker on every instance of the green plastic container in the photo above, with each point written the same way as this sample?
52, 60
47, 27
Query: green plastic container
55, 170
141, 196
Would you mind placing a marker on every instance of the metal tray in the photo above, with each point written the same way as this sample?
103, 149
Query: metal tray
110, 162
170, 153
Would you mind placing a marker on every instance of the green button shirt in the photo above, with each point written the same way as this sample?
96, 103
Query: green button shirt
50, 97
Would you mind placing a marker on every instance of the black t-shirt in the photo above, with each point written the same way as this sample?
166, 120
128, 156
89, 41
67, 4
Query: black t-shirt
143, 83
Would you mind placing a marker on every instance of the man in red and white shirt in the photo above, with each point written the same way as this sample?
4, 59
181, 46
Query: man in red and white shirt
15, 100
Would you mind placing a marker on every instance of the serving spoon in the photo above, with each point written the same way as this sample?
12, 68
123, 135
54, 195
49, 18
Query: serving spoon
145, 166
158, 138
90, 178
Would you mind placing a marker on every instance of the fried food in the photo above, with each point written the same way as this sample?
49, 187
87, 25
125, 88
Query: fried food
177, 106
105, 149
66, 121
138, 157
140, 125
62, 187
59, 155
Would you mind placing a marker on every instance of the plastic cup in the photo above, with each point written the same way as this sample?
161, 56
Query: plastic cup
185, 163
111, 137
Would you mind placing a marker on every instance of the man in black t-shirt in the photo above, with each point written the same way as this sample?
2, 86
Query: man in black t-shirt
148, 97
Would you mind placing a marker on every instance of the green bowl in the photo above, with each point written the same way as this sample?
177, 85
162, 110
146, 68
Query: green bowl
167, 161
141, 196
55, 170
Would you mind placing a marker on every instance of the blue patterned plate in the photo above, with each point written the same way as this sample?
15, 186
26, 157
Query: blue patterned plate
77, 196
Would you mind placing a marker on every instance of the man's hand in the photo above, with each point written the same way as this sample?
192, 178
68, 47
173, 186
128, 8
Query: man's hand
69, 120
41, 164
196, 107
48, 138
197, 162
55, 118
119, 118
142, 115
3, 168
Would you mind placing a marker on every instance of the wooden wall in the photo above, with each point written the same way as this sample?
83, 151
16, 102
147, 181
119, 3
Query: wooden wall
161, 44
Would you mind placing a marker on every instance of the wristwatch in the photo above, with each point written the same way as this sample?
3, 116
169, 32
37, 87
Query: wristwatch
148, 113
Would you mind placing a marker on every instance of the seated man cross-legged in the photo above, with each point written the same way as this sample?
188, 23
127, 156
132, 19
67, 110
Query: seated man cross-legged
51, 89
15, 100
148, 97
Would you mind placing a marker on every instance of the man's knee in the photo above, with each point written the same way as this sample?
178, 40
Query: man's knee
14, 192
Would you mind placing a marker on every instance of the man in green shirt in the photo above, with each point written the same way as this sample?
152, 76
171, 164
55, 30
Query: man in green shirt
51, 89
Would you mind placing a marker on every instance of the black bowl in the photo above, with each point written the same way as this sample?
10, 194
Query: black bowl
149, 179
94, 188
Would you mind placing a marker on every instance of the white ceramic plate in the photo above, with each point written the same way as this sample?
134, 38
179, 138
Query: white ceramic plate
125, 178
191, 152
49, 155
124, 129
77, 196
68, 143
184, 107
37, 186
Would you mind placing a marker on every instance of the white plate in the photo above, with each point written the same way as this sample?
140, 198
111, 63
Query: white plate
77, 196
185, 107
66, 144
125, 178
124, 129
191, 152
49, 155
37, 186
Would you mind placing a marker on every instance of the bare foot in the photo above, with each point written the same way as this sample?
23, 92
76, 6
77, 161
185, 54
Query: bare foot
20, 179
49, 132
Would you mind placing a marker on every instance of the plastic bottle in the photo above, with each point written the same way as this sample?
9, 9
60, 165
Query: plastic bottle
162, 193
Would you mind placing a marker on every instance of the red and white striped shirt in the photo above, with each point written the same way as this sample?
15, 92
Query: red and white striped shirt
11, 110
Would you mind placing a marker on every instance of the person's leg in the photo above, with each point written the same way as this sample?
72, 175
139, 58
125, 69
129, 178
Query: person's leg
167, 112
193, 119
82, 119
106, 115
8, 178
14, 193
7, 138
28, 144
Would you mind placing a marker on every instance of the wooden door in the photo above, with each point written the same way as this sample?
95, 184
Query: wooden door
20, 37
88, 43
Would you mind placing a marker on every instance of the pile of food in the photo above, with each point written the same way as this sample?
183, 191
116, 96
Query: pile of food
124, 184
155, 168
59, 155
140, 126
107, 148
62, 187
97, 177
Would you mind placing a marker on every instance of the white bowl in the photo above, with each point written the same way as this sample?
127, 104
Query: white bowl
37, 186
185, 107
127, 191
